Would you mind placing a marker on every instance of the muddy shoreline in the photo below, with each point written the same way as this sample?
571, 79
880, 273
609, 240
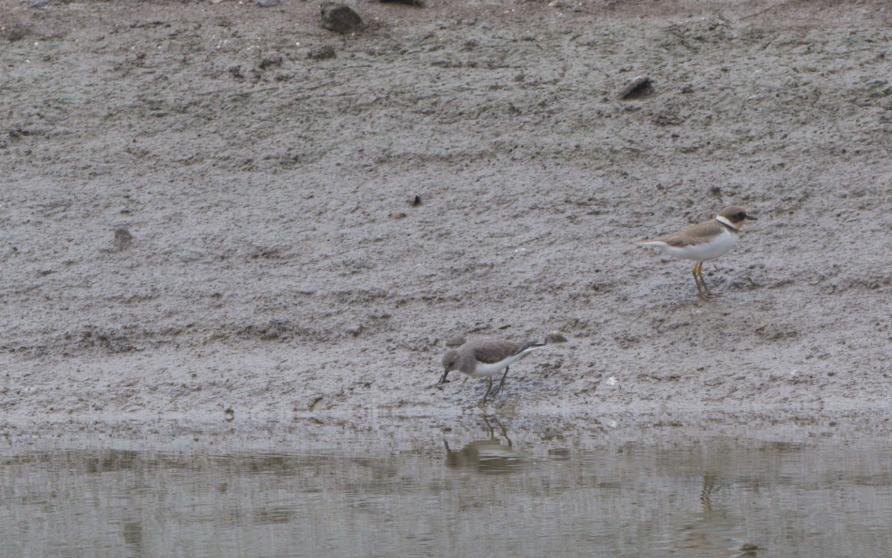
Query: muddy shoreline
275, 263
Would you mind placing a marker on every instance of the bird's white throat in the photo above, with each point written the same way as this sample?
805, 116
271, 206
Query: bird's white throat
724, 220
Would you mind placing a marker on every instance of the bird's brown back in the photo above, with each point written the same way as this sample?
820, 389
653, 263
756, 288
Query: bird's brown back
693, 235
493, 350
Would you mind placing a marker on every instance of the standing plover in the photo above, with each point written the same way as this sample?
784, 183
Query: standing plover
485, 358
703, 241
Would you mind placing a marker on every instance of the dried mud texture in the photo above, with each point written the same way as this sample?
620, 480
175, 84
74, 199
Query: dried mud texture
275, 262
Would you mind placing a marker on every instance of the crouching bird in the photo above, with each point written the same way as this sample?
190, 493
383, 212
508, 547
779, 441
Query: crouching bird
485, 358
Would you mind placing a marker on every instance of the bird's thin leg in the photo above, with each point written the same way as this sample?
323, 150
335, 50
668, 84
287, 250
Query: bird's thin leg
488, 388
502, 383
707, 294
697, 279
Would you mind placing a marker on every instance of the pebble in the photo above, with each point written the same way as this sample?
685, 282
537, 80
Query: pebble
122, 240
271, 60
639, 87
322, 53
555, 337
267, 3
415, 202
339, 18
397, 215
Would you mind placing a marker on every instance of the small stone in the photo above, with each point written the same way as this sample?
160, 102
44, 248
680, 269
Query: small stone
38, 3
229, 414
235, 71
415, 202
639, 87
267, 3
14, 32
122, 240
555, 337
339, 18
397, 215
270, 60
322, 53
749, 548
455, 341
355, 330
416, 3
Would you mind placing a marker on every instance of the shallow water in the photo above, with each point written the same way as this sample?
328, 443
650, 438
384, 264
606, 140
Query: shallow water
484, 497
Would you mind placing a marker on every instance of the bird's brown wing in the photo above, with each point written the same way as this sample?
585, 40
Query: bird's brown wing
493, 350
693, 235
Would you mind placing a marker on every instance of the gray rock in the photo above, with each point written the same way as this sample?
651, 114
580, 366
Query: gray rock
270, 60
322, 53
555, 337
339, 18
639, 87
268, 3
122, 240
455, 341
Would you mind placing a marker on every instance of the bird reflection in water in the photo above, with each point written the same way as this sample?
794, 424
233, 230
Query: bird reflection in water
494, 455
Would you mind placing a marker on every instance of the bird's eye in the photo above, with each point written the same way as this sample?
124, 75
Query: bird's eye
741, 216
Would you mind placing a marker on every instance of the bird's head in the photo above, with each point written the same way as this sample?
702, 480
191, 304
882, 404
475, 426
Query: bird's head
450, 362
735, 215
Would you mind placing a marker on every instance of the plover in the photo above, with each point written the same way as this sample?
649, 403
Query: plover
485, 358
703, 241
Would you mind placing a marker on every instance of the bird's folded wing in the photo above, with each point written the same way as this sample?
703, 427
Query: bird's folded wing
494, 350
693, 235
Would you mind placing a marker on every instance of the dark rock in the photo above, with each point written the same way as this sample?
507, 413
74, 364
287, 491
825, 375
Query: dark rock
322, 53
339, 18
235, 71
639, 87
122, 240
313, 402
415, 202
416, 3
270, 60
15, 32
229, 414
555, 337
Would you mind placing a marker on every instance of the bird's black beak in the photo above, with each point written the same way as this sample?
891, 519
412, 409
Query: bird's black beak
443, 378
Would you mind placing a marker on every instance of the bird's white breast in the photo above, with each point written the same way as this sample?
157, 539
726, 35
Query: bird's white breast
485, 370
715, 247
